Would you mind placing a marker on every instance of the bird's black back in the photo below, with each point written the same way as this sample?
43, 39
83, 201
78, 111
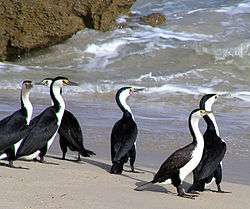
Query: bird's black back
174, 163
41, 130
214, 151
70, 131
12, 129
123, 137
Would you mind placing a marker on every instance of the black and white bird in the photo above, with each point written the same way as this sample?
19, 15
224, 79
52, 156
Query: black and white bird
210, 166
44, 127
183, 161
124, 133
70, 132
14, 127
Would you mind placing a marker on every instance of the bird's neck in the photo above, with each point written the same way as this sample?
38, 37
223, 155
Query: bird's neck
122, 103
26, 106
57, 100
52, 103
211, 124
195, 131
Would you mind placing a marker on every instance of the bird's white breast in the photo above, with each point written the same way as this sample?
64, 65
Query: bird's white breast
193, 163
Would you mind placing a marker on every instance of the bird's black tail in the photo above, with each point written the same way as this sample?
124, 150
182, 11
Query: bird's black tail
143, 186
116, 168
87, 153
198, 186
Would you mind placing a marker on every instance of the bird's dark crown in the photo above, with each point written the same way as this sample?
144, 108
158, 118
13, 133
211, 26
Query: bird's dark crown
204, 100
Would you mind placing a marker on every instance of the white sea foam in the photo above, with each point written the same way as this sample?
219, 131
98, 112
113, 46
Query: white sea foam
240, 8
194, 11
243, 95
148, 39
150, 76
8, 67
171, 88
222, 53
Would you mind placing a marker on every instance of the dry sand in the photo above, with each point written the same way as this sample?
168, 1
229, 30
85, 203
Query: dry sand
87, 185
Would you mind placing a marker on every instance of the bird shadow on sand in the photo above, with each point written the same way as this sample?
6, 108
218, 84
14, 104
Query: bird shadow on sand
137, 170
159, 188
153, 187
66, 159
99, 164
216, 191
15, 167
34, 161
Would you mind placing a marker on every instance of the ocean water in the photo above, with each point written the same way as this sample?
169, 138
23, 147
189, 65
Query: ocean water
204, 47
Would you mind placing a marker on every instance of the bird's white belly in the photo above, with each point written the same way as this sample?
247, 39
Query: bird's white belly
193, 163
51, 140
17, 145
168, 181
208, 184
3, 156
32, 156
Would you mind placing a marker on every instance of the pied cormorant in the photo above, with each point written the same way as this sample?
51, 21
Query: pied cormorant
124, 133
44, 127
183, 161
210, 166
14, 127
70, 133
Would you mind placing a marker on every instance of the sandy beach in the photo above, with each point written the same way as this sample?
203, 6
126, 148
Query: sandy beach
87, 184
203, 48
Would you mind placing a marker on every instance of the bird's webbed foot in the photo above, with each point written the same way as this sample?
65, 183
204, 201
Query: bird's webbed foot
182, 193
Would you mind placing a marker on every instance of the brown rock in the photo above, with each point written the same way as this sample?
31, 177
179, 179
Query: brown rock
154, 19
27, 24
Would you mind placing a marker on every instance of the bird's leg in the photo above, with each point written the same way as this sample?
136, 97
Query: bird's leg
132, 156
11, 165
79, 157
41, 160
219, 190
63, 155
182, 193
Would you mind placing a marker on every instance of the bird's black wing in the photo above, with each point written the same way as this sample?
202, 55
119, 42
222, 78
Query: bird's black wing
174, 163
41, 130
123, 137
12, 129
211, 160
70, 131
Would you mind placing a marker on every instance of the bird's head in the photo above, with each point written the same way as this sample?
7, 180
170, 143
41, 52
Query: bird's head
45, 82
63, 81
27, 85
207, 101
199, 113
124, 92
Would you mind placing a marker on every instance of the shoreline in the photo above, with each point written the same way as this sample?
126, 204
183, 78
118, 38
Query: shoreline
157, 139
87, 184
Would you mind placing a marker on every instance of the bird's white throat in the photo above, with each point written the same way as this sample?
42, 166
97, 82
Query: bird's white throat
27, 104
197, 133
212, 118
123, 100
57, 93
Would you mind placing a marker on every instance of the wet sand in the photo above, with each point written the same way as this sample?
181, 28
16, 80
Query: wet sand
87, 184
